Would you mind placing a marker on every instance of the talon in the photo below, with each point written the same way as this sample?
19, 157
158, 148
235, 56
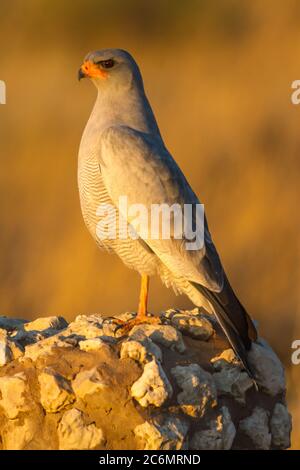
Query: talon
142, 316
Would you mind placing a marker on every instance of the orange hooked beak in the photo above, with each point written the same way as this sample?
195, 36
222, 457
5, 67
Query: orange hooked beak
91, 70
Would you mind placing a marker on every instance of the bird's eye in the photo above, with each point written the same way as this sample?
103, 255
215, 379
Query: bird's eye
107, 64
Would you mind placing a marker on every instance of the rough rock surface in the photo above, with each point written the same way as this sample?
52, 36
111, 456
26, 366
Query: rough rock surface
5, 351
153, 387
229, 378
191, 323
281, 426
256, 429
170, 434
56, 391
269, 371
198, 389
172, 386
165, 335
142, 350
219, 435
75, 434
15, 395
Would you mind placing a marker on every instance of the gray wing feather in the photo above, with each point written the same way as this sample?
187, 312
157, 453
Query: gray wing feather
135, 165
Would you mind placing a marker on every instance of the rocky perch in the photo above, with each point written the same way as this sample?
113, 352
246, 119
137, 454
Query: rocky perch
169, 386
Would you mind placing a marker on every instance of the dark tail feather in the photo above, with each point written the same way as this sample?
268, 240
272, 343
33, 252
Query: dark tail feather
234, 320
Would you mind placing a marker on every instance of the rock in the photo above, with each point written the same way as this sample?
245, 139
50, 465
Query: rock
164, 335
75, 434
256, 428
93, 326
153, 387
5, 351
18, 433
281, 426
141, 351
71, 339
65, 382
233, 382
15, 395
56, 391
44, 348
268, 369
25, 338
219, 435
198, 389
87, 326
229, 378
93, 344
44, 323
89, 382
11, 324
226, 359
17, 350
170, 435
191, 323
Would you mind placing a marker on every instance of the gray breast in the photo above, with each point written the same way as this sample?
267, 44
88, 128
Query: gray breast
134, 253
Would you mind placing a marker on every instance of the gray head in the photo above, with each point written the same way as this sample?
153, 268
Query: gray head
113, 69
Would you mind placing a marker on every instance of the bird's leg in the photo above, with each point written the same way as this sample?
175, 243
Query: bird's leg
142, 316
142, 310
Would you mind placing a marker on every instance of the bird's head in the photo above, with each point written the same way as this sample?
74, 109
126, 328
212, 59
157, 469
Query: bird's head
110, 69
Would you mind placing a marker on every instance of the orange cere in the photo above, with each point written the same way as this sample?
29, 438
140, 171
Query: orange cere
92, 70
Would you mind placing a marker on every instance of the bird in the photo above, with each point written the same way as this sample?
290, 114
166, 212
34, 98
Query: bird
122, 153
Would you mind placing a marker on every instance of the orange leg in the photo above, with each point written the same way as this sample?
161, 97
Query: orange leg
142, 317
142, 310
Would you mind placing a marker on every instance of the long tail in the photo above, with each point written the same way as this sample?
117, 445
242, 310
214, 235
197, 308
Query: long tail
234, 320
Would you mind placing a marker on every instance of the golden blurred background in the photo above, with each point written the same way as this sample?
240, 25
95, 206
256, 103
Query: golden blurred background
218, 74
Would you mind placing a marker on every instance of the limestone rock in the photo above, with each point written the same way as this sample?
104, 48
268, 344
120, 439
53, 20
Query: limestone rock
88, 326
44, 323
44, 347
88, 382
281, 426
16, 349
25, 338
72, 339
226, 359
256, 428
267, 367
219, 435
191, 323
170, 435
18, 433
56, 391
5, 351
153, 387
15, 395
75, 434
11, 324
233, 382
141, 351
229, 378
65, 382
164, 335
93, 344
198, 389
94, 326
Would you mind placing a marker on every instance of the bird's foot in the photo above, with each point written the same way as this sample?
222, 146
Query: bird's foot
125, 326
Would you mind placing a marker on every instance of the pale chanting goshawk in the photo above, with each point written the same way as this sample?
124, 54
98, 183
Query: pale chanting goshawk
122, 153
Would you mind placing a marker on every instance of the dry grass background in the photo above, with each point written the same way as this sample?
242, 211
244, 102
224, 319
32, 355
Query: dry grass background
218, 75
